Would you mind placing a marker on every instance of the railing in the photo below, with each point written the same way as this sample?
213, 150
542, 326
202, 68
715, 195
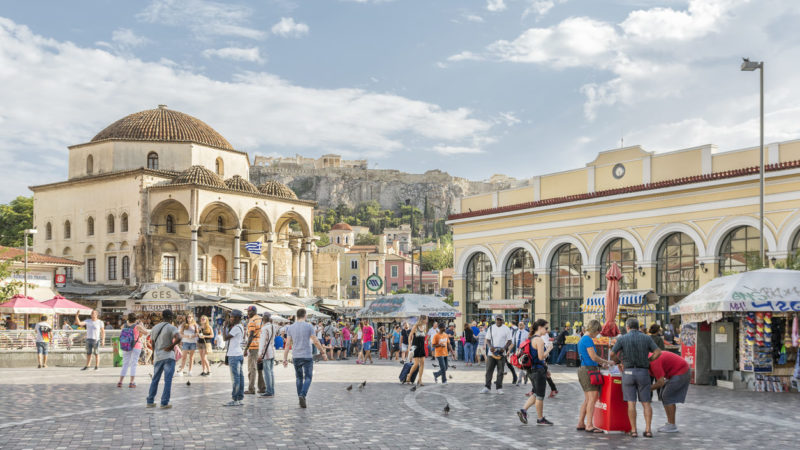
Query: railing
62, 339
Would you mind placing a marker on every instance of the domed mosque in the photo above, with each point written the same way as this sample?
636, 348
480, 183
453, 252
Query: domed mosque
161, 198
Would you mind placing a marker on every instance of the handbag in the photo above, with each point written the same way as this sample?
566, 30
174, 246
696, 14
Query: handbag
595, 377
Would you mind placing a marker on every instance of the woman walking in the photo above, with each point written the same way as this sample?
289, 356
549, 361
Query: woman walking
469, 345
417, 350
130, 358
589, 362
537, 374
205, 337
189, 332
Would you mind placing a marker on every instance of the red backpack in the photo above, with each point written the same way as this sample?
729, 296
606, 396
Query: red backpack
522, 359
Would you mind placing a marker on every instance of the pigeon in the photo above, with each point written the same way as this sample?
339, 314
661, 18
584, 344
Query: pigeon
151, 375
450, 377
350, 388
414, 388
447, 409
361, 386
452, 367
188, 383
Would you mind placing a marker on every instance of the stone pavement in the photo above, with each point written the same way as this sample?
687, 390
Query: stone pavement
66, 408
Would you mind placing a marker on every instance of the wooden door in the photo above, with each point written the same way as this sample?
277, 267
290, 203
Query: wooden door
218, 269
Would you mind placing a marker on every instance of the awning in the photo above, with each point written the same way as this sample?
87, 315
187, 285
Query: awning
520, 303
230, 306
597, 302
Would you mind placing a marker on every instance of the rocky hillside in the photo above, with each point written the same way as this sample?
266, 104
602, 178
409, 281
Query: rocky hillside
333, 186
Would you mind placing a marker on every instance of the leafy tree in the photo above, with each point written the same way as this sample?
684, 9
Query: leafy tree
323, 239
438, 259
366, 239
10, 289
15, 217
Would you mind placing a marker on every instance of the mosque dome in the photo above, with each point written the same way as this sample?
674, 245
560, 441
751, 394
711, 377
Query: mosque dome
276, 189
238, 183
200, 176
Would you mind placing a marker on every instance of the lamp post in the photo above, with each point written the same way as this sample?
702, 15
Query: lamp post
749, 66
25, 267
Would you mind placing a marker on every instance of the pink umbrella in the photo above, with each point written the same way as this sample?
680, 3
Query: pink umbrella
20, 304
63, 306
613, 276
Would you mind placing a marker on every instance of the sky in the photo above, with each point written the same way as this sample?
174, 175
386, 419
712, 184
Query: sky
471, 87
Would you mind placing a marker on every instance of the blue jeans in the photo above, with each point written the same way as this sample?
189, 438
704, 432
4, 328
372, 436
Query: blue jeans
237, 376
269, 378
347, 348
469, 352
303, 371
442, 369
167, 367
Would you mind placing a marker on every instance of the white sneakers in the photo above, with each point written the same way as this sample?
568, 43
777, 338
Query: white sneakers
189, 373
668, 428
485, 390
180, 374
499, 392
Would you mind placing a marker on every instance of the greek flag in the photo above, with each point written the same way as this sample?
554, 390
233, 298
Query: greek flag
253, 247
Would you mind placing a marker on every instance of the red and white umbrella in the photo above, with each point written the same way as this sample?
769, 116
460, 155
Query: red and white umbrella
613, 276
61, 305
19, 304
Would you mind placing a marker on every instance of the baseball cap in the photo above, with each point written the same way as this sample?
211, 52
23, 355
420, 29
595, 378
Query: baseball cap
236, 313
251, 308
266, 315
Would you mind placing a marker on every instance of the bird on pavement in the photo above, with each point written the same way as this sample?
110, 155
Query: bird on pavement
361, 386
414, 388
350, 388
188, 383
447, 409
450, 377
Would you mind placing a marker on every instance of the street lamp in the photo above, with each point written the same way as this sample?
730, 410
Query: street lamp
749, 66
25, 267
411, 246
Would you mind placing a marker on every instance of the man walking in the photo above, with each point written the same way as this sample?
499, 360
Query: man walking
251, 352
480, 350
165, 337
395, 343
234, 334
498, 338
95, 333
44, 334
367, 335
266, 353
635, 347
299, 337
442, 348
672, 372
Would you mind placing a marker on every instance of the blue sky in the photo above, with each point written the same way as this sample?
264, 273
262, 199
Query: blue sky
472, 87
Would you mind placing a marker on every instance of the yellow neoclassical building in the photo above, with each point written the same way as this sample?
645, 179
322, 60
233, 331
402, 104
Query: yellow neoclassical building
672, 221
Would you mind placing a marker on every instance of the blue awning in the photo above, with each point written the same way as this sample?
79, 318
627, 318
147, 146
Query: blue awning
597, 302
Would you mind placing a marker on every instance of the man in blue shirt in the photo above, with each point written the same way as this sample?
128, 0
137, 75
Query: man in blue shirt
299, 337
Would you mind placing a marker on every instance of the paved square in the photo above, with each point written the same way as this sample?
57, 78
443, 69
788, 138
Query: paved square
67, 408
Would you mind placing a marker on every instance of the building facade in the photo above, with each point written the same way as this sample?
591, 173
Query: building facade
672, 221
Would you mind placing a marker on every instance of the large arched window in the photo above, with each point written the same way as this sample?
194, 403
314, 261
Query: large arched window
48, 231
152, 160
90, 226
123, 223
619, 251
170, 224
566, 286
220, 224
126, 267
739, 250
519, 282
67, 230
89, 165
479, 285
110, 223
676, 273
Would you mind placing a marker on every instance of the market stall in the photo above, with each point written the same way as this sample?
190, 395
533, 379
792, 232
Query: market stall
738, 329
404, 306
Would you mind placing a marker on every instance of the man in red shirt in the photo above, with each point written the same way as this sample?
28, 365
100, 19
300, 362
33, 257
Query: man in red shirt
367, 335
672, 372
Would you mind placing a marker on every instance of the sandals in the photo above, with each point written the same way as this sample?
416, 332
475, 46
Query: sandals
580, 428
119, 385
633, 434
594, 431
648, 434
132, 385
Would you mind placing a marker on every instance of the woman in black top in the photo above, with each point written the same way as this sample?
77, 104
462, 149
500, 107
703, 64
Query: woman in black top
469, 345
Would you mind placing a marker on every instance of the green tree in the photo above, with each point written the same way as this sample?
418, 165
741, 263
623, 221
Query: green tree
15, 217
10, 289
323, 239
439, 259
366, 239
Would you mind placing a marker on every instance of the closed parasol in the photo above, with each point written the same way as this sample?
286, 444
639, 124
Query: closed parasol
613, 275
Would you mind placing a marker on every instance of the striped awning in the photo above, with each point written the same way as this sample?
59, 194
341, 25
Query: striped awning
518, 303
597, 302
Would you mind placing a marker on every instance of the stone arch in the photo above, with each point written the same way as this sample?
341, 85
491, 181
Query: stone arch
66, 252
178, 211
211, 213
48, 252
789, 230
603, 239
657, 236
169, 247
89, 165
255, 223
287, 217
461, 266
124, 245
555, 243
509, 248
110, 247
89, 250
722, 229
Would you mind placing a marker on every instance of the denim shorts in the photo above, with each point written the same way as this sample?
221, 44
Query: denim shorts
676, 388
42, 347
189, 346
636, 385
92, 346
367, 346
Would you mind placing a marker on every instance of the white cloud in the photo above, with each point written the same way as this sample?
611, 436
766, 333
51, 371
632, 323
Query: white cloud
456, 150
495, 5
58, 94
287, 27
464, 56
473, 18
700, 18
236, 54
203, 17
128, 38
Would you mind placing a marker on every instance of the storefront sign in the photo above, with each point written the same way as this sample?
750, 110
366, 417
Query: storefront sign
158, 307
36, 278
61, 280
162, 293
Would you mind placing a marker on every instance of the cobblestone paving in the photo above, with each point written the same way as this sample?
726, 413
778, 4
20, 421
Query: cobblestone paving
66, 408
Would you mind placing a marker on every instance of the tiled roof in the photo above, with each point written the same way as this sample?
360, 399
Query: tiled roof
35, 258
628, 189
164, 125
342, 226
363, 249
238, 183
276, 189
200, 176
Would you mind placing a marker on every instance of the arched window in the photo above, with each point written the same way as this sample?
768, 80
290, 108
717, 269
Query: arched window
354, 281
795, 248
126, 267
110, 223
566, 286
170, 223
219, 167
519, 282
739, 250
621, 252
89, 165
338, 239
90, 226
479, 285
676, 275
67, 230
152, 160
48, 231
220, 224
123, 223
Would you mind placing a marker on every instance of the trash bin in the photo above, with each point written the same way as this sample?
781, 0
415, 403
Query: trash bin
611, 411
116, 352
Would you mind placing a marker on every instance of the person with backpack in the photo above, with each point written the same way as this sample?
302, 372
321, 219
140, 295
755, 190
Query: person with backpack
266, 353
520, 336
44, 335
498, 339
165, 339
538, 373
469, 345
130, 342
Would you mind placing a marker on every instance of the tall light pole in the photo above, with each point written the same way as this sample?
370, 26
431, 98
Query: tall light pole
25, 233
749, 66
